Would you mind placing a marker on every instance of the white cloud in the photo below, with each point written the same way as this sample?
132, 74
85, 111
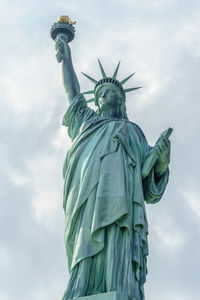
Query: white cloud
175, 295
4, 256
27, 85
167, 233
19, 179
61, 139
188, 34
7, 8
193, 201
47, 183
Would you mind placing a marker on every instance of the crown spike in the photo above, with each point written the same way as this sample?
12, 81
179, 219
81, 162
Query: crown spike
90, 78
102, 70
132, 89
126, 79
90, 100
88, 92
116, 71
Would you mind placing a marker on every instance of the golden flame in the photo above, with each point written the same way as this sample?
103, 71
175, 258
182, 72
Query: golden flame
66, 19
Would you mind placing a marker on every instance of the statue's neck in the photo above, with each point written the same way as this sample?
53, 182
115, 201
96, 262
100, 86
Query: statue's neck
111, 112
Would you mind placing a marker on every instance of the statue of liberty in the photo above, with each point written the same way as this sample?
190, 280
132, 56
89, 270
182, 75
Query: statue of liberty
109, 173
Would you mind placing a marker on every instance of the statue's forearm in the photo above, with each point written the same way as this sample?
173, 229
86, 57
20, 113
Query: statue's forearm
70, 80
63, 55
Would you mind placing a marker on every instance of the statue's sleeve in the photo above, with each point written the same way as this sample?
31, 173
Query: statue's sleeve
153, 187
78, 114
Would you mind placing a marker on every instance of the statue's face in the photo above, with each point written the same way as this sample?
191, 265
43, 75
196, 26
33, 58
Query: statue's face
108, 97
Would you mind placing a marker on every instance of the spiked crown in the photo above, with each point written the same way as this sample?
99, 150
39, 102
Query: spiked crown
112, 80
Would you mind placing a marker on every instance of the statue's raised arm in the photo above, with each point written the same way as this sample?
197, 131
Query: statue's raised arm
63, 55
63, 32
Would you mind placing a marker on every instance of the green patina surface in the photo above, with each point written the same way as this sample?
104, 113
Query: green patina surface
107, 296
105, 189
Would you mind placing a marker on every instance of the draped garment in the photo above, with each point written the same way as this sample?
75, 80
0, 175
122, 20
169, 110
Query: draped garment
104, 202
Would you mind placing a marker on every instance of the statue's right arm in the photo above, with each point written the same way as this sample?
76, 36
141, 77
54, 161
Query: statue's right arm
63, 55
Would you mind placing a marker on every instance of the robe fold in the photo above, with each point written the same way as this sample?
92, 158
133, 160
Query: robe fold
104, 202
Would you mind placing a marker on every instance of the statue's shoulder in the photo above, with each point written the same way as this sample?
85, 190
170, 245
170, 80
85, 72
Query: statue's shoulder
138, 130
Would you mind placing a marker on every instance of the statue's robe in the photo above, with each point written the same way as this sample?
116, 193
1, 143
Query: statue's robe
104, 193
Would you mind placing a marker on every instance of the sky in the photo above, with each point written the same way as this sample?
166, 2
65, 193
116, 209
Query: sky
157, 39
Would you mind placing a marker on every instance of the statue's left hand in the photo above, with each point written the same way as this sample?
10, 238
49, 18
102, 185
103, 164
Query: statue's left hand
163, 153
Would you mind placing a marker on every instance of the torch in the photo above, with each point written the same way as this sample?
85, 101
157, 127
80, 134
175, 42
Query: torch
63, 28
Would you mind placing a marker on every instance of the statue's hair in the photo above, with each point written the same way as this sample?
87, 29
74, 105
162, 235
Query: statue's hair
120, 101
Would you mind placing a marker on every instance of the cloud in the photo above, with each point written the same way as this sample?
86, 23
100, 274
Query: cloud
193, 201
158, 40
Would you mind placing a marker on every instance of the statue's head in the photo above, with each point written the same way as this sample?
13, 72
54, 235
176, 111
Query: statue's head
109, 92
108, 96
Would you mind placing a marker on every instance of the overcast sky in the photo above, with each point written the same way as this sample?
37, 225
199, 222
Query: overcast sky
157, 39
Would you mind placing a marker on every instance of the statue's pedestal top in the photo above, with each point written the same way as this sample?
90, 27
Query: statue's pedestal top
106, 296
